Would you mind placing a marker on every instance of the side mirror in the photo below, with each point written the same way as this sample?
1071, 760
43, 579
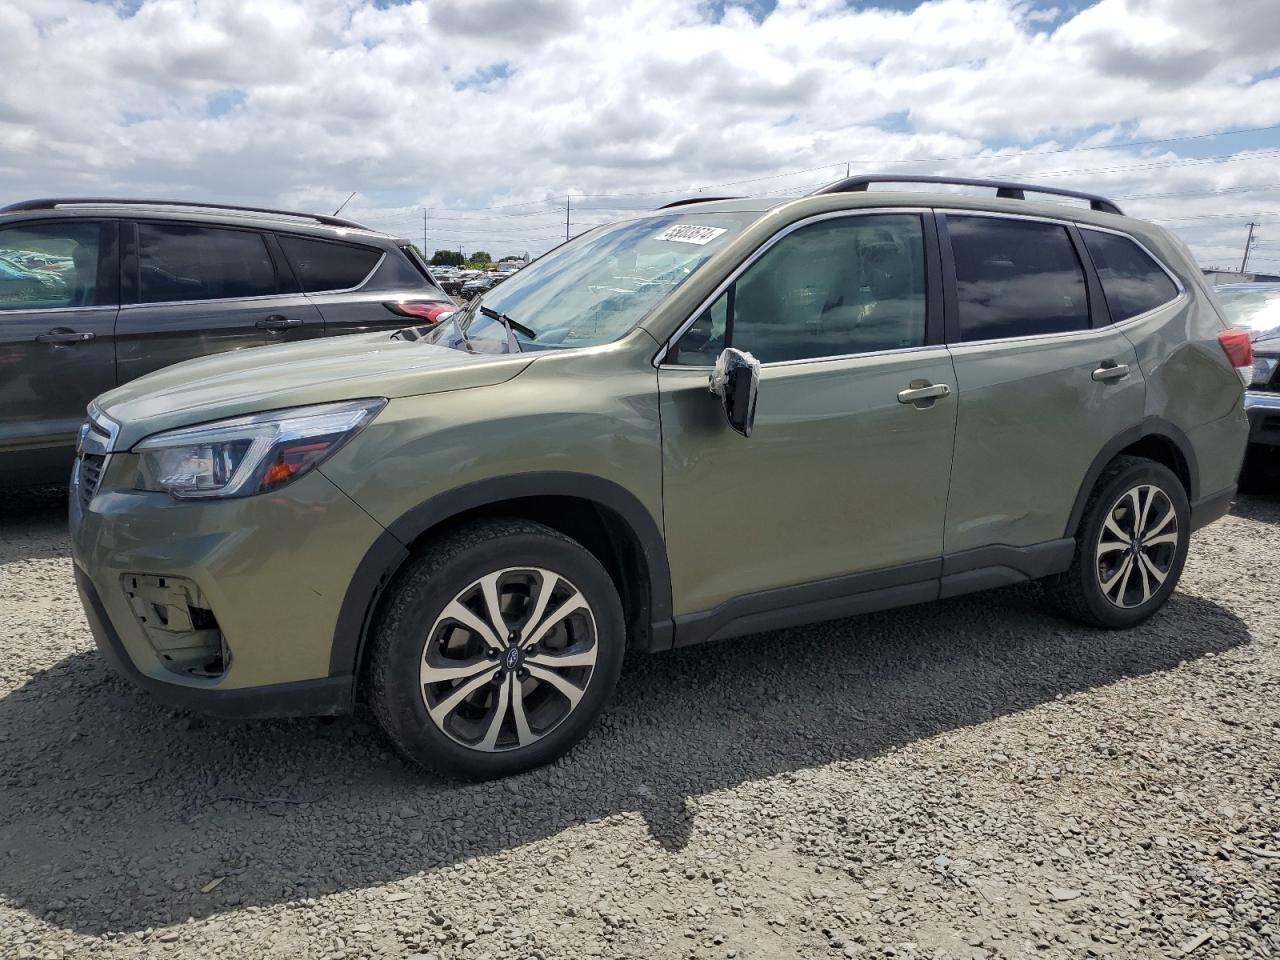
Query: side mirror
735, 381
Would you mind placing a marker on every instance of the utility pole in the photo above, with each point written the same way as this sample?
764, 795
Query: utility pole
846, 169
424, 231
1248, 245
566, 216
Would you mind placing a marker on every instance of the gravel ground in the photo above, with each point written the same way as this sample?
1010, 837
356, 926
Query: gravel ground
968, 779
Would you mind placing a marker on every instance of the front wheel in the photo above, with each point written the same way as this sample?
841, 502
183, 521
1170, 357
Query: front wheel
1130, 549
496, 650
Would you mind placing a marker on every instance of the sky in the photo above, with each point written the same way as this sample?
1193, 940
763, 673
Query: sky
486, 114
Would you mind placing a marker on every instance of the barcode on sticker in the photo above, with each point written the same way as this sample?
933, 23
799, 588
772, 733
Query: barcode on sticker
690, 233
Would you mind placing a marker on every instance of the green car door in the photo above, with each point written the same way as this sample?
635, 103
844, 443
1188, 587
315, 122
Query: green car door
1044, 381
846, 470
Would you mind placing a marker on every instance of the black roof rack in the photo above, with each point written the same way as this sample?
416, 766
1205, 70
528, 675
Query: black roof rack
1003, 188
688, 200
48, 203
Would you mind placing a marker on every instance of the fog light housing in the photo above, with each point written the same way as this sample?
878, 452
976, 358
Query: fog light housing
179, 623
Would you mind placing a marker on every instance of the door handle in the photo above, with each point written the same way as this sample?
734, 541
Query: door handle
1110, 370
63, 336
277, 322
921, 390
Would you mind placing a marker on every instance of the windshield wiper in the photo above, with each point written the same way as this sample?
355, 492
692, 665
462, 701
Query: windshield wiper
462, 334
511, 325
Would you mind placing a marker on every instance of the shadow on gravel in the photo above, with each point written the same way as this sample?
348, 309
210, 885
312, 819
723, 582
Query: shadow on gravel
1259, 507
33, 524
117, 814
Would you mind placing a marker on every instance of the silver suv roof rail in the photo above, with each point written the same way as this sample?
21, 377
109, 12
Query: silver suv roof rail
49, 203
1003, 188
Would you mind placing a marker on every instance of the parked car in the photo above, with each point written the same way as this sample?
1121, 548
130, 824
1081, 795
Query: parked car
94, 293
705, 421
481, 284
1255, 307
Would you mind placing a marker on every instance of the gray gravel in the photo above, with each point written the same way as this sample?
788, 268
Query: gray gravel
968, 779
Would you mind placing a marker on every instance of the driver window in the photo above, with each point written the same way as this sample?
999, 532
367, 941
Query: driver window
833, 288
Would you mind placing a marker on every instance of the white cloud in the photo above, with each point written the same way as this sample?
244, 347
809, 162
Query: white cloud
453, 104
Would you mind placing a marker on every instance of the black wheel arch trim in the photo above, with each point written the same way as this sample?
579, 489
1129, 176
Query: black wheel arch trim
391, 549
1150, 427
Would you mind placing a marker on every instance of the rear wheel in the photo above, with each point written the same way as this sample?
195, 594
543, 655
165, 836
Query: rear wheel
497, 649
1130, 549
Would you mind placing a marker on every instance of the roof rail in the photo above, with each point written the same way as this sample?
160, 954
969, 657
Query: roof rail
49, 203
688, 200
1003, 188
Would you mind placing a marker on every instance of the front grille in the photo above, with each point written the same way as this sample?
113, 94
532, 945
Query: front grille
91, 465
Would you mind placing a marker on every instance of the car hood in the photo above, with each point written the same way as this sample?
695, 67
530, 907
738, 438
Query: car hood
291, 375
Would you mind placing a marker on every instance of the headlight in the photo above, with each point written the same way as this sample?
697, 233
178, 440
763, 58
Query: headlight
248, 455
1263, 369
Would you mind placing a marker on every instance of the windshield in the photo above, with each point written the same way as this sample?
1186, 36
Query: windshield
594, 288
1256, 309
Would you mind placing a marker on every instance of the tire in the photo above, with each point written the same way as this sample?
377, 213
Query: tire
1095, 590
434, 628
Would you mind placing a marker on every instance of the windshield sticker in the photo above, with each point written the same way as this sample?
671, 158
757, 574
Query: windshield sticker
690, 233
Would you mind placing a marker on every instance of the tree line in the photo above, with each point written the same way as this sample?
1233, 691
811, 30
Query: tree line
480, 260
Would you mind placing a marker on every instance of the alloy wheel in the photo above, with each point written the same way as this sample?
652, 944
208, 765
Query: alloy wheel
508, 659
1137, 546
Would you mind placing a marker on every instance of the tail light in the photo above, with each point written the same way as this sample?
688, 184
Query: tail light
1238, 346
429, 311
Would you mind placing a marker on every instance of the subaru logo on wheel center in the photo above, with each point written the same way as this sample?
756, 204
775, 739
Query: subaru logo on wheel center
512, 658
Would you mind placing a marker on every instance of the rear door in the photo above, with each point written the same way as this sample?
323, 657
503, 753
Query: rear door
58, 303
196, 289
1044, 380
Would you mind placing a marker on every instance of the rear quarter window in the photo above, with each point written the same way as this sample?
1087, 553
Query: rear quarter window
1132, 281
322, 265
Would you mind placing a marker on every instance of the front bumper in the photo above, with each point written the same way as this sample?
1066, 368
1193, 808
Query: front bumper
274, 569
325, 696
1264, 417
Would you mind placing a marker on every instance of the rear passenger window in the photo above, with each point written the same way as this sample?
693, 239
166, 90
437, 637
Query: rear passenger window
1132, 282
320, 265
181, 262
1016, 278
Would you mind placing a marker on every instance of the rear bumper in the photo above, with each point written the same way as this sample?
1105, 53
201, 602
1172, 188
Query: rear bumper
1208, 509
325, 696
1264, 418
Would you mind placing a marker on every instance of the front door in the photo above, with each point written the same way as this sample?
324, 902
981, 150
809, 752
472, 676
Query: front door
193, 290
845, 472
58, 308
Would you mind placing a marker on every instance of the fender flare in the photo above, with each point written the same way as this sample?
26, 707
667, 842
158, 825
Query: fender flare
1150, 427
391, 549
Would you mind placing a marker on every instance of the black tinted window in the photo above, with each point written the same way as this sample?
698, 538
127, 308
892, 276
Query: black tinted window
49, 265
181, 262
1132, 282
1016, 278
833, 288
320, 265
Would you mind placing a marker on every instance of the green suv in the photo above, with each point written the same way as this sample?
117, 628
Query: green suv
714, 419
